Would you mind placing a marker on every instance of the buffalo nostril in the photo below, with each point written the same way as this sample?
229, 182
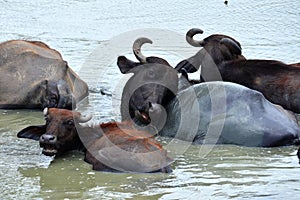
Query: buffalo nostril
48, 138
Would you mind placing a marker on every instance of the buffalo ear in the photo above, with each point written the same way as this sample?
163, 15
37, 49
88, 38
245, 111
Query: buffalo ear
125, 65
193, 63
32, 132
187, 65
232, 45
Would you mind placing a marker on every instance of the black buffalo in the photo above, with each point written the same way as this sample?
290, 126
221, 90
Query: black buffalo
217, 48
221, 59
153, 84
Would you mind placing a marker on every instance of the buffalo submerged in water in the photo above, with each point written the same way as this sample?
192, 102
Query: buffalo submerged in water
32, 75
207, 113
228, 113
108, 146
149, 90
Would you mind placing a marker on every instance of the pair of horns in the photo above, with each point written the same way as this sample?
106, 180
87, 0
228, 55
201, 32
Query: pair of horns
81, 119
138, 43
228, 42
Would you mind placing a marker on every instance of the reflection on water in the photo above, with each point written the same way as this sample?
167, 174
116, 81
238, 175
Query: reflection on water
266, 29
228, 171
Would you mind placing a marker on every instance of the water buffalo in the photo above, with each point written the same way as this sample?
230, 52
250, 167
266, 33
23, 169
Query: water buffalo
125, 148
108, 147
152, 86
59, 134
279, 82
35, 76
217, 48
228, 113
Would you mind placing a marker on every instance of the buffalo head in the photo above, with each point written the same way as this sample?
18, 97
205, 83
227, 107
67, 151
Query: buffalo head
216, 49
153, 84
59, 134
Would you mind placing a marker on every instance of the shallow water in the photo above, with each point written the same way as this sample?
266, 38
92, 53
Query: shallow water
88, 34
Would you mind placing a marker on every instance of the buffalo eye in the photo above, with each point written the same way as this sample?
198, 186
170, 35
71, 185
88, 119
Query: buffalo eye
70, 122
151, 74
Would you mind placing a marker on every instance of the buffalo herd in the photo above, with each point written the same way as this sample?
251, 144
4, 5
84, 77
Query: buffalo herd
240, 101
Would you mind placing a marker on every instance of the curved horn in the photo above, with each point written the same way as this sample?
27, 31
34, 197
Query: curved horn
189, 37
137, 48
45, 111
232, 45
84, 118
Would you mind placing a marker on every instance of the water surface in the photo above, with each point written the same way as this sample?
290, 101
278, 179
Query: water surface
266, 29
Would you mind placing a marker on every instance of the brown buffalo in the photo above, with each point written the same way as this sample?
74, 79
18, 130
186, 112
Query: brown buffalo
152, 86
32, 75
124, 148
59, 134
279, 82
108, 147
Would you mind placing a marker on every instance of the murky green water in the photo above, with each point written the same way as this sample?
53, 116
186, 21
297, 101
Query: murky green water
266, 29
